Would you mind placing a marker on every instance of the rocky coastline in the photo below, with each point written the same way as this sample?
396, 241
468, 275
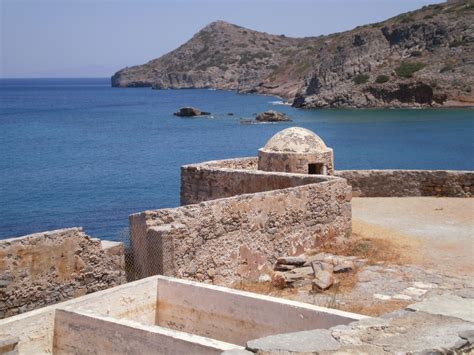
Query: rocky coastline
418, 59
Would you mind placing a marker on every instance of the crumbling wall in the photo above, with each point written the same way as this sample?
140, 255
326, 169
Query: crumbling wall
241, 236
404, 183
45, 268
226, 178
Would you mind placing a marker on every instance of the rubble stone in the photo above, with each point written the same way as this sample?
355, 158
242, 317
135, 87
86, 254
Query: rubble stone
323, 281
291, 260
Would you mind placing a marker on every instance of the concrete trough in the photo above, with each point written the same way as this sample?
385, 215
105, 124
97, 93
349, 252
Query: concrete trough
164, 315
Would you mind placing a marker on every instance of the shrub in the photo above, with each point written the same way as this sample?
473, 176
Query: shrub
406, 69
447, 67
382, 79
406, 18
361, 79
456, 43
415, 54
303, 67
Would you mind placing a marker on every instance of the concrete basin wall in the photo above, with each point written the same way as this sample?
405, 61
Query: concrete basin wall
80, 333
159, 314
134, 301
235, 316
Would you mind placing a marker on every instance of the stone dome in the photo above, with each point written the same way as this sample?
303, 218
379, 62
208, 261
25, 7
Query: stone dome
295, 140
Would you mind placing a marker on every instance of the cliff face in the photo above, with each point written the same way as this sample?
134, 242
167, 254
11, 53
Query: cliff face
421, 58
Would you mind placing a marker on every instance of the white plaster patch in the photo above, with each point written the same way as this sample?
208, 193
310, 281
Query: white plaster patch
423, 285
379, 296
414, 292
402, 297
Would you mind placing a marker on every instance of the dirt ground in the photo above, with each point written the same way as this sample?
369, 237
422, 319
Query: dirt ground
432, 232
413, 248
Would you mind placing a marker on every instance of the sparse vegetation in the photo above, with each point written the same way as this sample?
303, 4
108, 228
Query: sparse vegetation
382, 79
406, 18
407, 69
361, 79
247, 57
416, 54
457, 42
446, 68
286, 51
303, 67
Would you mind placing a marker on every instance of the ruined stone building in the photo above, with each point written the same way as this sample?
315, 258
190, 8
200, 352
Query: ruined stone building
236, 217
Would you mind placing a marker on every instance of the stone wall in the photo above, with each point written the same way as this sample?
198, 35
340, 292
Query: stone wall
404, 183
45, 268
241, 236
226, 178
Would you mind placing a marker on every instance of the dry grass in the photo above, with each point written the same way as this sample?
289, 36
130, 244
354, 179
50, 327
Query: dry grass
264, 288
375, 309
376, 244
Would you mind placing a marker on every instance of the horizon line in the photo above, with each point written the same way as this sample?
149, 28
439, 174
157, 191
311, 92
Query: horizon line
55, 77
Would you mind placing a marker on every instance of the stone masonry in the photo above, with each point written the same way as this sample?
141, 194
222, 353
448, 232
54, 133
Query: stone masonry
404, 183
224, 239
45, 268
239, 215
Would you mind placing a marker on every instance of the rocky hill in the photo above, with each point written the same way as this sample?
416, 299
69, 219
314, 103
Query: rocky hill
420, 58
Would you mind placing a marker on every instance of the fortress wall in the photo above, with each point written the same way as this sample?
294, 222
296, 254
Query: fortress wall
45, 268
404, 183
222, 239
226, 178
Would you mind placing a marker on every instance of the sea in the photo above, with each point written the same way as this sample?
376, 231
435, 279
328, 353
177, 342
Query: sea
77, 152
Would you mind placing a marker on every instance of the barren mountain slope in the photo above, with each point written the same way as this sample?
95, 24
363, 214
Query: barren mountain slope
421, 58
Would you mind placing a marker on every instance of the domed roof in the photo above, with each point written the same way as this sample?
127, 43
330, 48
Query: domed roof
295, 140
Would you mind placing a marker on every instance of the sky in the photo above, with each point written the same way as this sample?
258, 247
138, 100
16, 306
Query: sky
95, 38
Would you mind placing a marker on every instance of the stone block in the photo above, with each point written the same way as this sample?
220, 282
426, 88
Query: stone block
308, 342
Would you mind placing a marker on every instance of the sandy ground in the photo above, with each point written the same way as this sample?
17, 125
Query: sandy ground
437, 233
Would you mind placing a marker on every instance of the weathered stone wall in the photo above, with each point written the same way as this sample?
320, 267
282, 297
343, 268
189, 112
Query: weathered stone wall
226, 178
294, 162
403, 183
241, 236
45, 268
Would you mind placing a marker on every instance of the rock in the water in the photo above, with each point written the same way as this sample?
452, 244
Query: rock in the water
272, 116
291, 260
191, 112
323, 281
307, 342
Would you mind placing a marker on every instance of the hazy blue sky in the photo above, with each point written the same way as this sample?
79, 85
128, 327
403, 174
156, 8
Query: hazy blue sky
91, 38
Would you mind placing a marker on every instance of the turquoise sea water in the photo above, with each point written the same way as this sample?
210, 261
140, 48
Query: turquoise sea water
76, 152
